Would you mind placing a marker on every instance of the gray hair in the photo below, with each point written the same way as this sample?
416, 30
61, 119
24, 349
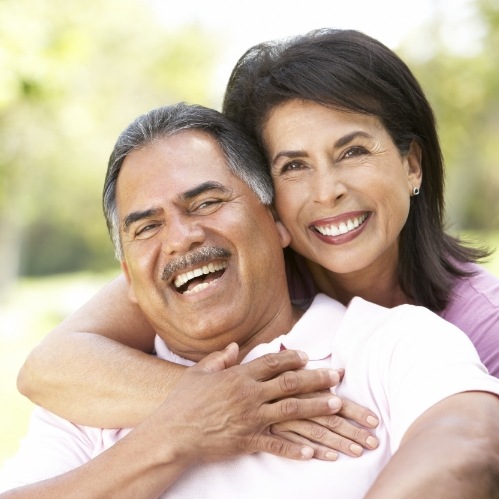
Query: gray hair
243, 156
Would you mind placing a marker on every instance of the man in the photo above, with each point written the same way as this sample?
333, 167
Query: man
195, 233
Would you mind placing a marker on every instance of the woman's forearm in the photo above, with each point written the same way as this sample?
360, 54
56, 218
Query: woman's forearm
449, 452
95, 381
100, 377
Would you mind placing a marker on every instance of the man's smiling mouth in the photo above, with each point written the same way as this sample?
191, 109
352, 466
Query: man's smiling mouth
195, 280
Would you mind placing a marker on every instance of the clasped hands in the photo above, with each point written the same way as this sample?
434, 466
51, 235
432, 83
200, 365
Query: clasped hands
271, 404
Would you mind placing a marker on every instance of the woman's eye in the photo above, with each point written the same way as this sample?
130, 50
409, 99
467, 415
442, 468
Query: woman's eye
355, 151
291, 166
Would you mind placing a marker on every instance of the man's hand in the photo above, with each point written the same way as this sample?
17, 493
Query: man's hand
219, 409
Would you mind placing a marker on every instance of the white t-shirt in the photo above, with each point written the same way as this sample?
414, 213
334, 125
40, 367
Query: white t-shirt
398, 362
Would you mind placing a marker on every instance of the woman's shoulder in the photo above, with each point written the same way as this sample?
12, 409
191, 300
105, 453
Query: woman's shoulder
474, 308
481, 287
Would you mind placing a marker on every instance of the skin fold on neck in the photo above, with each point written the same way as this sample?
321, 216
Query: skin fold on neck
377, 287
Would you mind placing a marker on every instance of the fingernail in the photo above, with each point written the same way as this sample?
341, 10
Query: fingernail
303, 356
372, 421
307, 452
331, 456
334, 403
372, 442
356, 449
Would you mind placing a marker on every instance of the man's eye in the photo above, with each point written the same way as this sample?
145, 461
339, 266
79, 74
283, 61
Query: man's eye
208, 205
143, 231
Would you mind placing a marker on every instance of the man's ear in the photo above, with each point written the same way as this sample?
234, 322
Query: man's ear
284, 235
126, 272
414, 168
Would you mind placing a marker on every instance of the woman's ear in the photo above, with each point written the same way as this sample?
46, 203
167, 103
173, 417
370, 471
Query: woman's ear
126, 273
414, 167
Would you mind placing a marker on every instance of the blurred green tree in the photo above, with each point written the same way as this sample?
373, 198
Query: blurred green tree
73, 76
463, 87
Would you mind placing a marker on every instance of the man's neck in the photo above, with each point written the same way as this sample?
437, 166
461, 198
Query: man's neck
282, 323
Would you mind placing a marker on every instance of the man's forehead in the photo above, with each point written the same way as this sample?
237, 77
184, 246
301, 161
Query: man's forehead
190, 151
174, 165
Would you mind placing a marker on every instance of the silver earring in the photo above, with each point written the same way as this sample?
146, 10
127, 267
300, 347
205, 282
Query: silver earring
415, 191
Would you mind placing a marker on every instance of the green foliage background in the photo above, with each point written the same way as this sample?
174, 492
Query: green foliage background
73, 76
72, 79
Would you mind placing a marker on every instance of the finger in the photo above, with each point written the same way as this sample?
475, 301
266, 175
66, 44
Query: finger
269, 365
294, 408
359, 414
301, 382
282, 447
338, 433
320, 451
218, 361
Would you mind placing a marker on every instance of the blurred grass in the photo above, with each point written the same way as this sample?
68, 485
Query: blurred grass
36, 305
27, 313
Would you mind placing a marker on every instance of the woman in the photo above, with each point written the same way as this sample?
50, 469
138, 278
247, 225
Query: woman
287, 94
354, 154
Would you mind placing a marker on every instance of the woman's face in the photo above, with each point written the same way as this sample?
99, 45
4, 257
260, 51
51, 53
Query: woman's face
342, 188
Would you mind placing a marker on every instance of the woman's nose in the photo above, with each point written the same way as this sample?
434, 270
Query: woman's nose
328, 187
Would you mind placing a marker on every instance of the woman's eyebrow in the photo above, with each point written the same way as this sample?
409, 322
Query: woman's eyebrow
342, 141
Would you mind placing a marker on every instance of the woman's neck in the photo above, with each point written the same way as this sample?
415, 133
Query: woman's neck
380, 286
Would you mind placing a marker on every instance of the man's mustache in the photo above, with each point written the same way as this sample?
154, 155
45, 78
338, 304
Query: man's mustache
194, 257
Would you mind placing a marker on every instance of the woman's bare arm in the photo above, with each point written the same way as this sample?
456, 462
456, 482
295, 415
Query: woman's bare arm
451, 451
95, 368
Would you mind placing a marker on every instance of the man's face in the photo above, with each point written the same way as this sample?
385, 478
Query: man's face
202, 254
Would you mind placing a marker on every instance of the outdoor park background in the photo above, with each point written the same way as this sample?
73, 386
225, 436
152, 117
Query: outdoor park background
75, 74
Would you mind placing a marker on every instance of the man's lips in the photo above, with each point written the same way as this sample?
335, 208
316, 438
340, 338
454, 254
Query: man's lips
200, 278
194, 259
196, 270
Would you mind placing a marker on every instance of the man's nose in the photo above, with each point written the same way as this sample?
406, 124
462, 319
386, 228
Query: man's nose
182, 234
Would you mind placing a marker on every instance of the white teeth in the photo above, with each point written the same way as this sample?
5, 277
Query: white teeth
342, 228
196, 289
181, 279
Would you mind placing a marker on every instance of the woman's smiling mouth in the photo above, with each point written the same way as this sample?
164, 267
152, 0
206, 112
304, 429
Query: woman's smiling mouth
342, 228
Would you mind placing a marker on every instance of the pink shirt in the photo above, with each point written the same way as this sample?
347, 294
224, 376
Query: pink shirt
473, 308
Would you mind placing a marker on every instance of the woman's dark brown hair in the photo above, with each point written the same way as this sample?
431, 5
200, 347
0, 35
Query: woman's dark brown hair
348, 70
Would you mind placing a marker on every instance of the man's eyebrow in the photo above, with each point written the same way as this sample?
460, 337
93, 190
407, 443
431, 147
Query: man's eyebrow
137, 216
342, 141
204, 187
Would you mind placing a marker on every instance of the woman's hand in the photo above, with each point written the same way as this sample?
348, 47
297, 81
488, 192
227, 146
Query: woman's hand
347, 431
219, 408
